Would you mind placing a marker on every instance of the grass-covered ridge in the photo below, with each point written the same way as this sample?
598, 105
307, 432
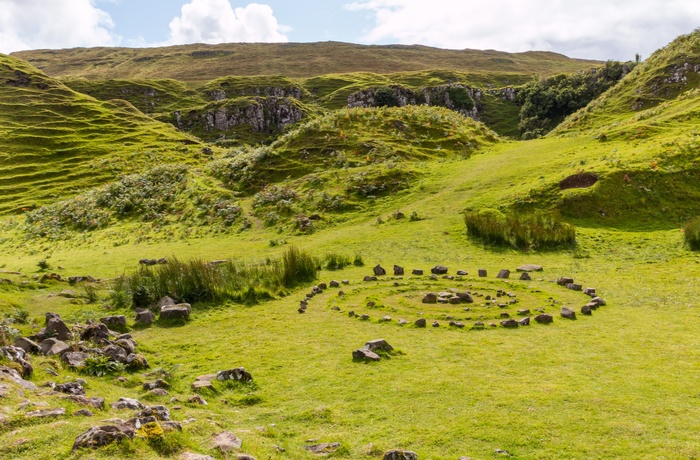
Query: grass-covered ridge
206, 62
52, 139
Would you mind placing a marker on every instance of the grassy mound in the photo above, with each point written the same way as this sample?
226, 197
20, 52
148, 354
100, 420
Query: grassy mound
54, 141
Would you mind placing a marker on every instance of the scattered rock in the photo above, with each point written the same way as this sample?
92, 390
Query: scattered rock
365, 354
200, 385
544, 318
8, 373
334, 284
509, 323
465, 297
586, 310
400, 455
227, 441
325, 448
96, 332
503, 274
159, 392
436, 324
71, 388
438, 270
564, 281
159, 412
115, 353
398, 271
83, 413
524, 321
160, 383
127, 403
379, 271
430, 298
420, 322
238, 374
27, 345
598, 301
170, 425
416, 271
191, 456
45, 413
95, 401
364, 317
378, 345
114, 322
74, 358
482, 273
456, 324
525, 276
589, 292
197, 399
568, 313
370, 278
176, 312
386, 319
574, 286
99, 436
136, 361
52, 347
56, 328
402, 322
529, 268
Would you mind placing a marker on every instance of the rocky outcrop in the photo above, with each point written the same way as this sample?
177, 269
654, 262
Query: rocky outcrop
262, 114
223, 92
457, 97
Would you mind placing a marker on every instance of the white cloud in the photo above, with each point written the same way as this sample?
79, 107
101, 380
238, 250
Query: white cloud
32, 24
595, 29
216, 21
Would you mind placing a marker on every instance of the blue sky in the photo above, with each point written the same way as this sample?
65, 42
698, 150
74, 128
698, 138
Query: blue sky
593, 29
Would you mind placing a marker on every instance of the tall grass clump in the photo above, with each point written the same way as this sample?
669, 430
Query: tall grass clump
198, 281
691, 234
524, 232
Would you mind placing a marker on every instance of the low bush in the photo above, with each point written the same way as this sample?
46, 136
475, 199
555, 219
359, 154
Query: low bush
536, 231
691, 234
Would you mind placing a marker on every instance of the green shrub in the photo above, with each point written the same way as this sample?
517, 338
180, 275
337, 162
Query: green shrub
691, 234
357, 261
98, 366
298, 267
385, 97
536, 231
334, 261
43, 264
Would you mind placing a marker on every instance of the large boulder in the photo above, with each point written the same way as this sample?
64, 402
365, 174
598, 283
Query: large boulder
176, 312
127, 344
8, 373
99, 436
115, 353
27, 345
465, 297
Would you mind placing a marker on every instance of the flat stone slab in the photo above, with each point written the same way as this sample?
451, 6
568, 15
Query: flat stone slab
529, 268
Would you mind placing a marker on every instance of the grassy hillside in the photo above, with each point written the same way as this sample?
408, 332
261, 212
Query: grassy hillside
354, 188
54, 141
207, 62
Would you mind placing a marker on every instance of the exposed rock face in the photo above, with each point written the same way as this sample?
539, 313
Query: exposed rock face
400, 455
262, 114
457, 97
263, 91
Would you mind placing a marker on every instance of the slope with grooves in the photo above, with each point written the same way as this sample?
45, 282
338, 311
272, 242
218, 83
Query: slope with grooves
206, 62
51, 136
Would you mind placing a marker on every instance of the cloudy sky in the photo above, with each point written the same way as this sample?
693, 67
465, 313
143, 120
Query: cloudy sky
596, 29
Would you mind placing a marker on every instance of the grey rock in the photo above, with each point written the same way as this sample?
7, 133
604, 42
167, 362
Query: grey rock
46, 413
564, 281
417, 271
115, 353
127, 403
94, 401
83, 413
114, 322
529, 268
544, 318
8, 373
586, 310
598, 301
438, 270
365, 354
465, 297
482, 273
227, 441
420, 322
99, 436
72, 388
324, 448
238, 374
127, 344
525, 276
524, 321
53, 347
197, 399
400, 455
430, 298
567, 313
455, 300
378, 345
574, 286
370, 278
161, 413
334, 284
509, 323
191, 456
589, 291
379, 271
398, 271
176, 312
503, 274
56, 328
27, 345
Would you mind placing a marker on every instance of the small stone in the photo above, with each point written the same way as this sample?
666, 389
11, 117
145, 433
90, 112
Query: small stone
503, 274
430, 298
482, 273
365, 354
568, 313
524, 321
159, 392
574, 286
197, 399
598, 301
455, 300
462, 273
370, 278
420, 322
586, 310
364, 317
544, 318
564, 281
227, 441
400, 455
324, 448
438, 270
436, 324
386, 319
524, 312
83, 413
402, 322
510, 323
589, 291
378, 345
525, 276
334, 284
398, 271
417, 271
529, 268
379, 271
